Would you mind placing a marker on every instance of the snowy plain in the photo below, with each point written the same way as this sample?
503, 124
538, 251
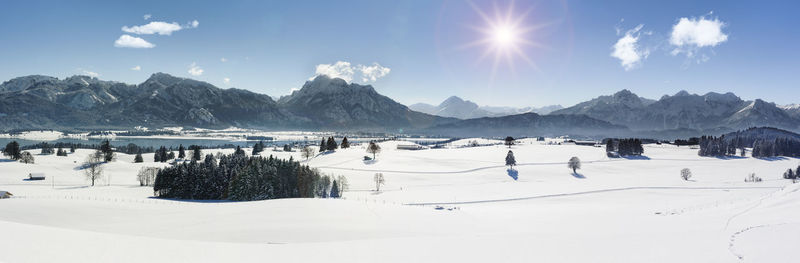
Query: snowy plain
459, 204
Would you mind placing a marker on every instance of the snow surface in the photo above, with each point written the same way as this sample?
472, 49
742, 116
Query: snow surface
613, 210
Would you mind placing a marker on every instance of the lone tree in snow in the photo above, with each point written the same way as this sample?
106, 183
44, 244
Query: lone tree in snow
92, 168
574, 164
373, 148
510, 161
379, 181
308, 152
26, 157
509, 141
345, 144
138, 158
686, 174
12, 150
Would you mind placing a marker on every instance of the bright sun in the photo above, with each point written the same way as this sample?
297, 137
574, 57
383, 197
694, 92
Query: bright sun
505, 37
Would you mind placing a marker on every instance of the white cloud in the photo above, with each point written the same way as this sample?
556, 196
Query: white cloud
136, 68
158, 27
223, 60
691, 34
340, 69
226, 81
374, 72
132, 42
91, 73
628, 50
346, 71
195, 70
147, 16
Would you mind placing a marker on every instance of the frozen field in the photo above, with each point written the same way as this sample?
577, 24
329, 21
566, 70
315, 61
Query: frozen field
613, 210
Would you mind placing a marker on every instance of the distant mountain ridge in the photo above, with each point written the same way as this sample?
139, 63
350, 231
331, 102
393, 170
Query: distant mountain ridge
456, 107
685, 111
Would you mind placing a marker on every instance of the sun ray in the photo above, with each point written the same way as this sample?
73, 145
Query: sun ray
506, 36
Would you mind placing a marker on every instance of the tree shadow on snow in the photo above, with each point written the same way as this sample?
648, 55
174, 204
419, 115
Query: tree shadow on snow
732, 157
198, 201
772, 159
636, 157
579, 176
6, 161
368, 162
514, 174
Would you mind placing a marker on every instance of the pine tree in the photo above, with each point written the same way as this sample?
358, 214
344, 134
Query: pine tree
108, 152
322, 146
72, 149
331, 145
345, 144
181, 152
510, 160
138, 158
197, 155
334, 190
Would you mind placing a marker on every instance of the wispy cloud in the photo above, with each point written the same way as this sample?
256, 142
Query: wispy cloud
147, 16
132, 42
136, 68
195, 70
90, 73
346, 71
628, 50
159, 27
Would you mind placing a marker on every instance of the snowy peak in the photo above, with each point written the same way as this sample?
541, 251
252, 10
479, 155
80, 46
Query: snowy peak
464, 109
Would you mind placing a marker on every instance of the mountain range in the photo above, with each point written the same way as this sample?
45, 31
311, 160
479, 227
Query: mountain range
456, 107
324, 103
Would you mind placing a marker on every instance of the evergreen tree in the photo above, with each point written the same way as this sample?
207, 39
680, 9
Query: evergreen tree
322, 146
345, 144
509, 141
335, 189
197, 155
170, 155
108, 152
238, 151
331, 145
181, 152
72, 149
12, 150
510, 160
138, 158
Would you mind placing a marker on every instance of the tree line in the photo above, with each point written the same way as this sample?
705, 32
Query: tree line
761, 148
624, 147
241, 178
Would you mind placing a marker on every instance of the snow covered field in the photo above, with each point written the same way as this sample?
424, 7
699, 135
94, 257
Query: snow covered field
613, 210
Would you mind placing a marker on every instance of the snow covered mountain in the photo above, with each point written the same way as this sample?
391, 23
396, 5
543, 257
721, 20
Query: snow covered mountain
684, 110
332, 103
528, 124
464, 109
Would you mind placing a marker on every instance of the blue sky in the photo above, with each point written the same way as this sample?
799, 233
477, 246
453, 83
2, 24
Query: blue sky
419, 51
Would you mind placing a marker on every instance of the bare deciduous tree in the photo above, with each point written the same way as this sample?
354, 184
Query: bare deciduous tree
373, 148
92, 168
343, 184
379, 181
308, 152
686, 174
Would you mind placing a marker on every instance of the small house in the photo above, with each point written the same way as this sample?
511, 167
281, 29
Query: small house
36, 176
5, 194
410, 147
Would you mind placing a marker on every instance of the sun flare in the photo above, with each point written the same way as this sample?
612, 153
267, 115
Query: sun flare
505, 36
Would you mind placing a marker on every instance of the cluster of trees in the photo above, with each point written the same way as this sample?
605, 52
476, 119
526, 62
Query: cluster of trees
793, 175
777, 147
762, 148
107, 150
625, 147
328, 144
238, 177
163, 155
690, 141
13, 152
61, 152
